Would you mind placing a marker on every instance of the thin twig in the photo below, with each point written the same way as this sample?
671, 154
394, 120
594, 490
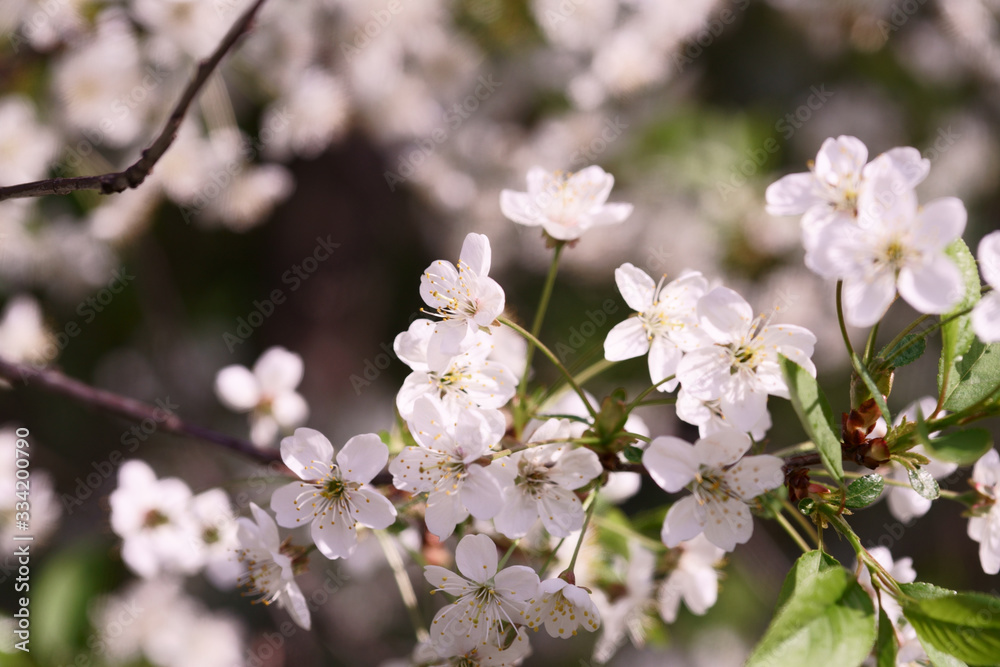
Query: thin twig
55, 382
134, 175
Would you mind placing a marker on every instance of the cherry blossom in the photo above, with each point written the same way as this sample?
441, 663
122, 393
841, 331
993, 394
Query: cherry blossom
693, 579
267, 392
333, 496
466, 380
838, 178
465, 298
540, 481
447, 465
901, 248
666, 324
984, 526
562, 608
564, 204
722, 480
152, 517
481, 655
270, 565
986, 314
487, 601
741, 368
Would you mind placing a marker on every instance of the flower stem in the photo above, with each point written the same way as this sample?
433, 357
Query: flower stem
646, 392
536, 326
510, 552
794, 534
802, 521
592, 500
552, 555
403, 583
859, 367
554, 359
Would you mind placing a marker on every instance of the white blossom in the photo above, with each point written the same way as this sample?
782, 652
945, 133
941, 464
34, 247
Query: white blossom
902, 247
564, 204
333, 497
986, 314
152, 517
465, 298
462, 381
666, 324
984, 526
562, 608
23, 334
269, 572
694, 579
487, 601
446, 465
741, 368
722, 480
838, 178
541, 480
267, 392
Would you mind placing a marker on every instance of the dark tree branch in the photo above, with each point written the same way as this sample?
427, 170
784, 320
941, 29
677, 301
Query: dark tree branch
55, 382
134, 175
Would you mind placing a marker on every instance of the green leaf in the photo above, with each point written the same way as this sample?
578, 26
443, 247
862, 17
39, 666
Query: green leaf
924, 483
975, 376
924, 591
963, 625
956, 332
910, 348
815, 414
886, 646
632, 454
864, 491
961, 447
824, 618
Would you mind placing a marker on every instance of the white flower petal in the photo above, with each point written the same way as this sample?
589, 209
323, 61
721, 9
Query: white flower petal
334, 534
865, 301
372, 509
988, 254
636, 287
278, 370
934, 287
793, 194
307, 453
626, 340
237, 389
986, 318
362, 458
725, 315
290, 410
671, 462
684, 520
476, 254
476, 558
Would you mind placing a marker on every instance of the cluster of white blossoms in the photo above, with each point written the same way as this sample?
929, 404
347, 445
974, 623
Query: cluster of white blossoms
480, 457
861, 224
167, 530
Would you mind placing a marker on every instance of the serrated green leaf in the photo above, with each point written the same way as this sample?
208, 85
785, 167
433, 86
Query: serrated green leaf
886, 646
815, 414
956, 332
824, 618
924, 483
864, 491
975, 376
910, 348
961, 447
963, 625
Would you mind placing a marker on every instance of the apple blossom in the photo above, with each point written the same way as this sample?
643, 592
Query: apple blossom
333, 496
